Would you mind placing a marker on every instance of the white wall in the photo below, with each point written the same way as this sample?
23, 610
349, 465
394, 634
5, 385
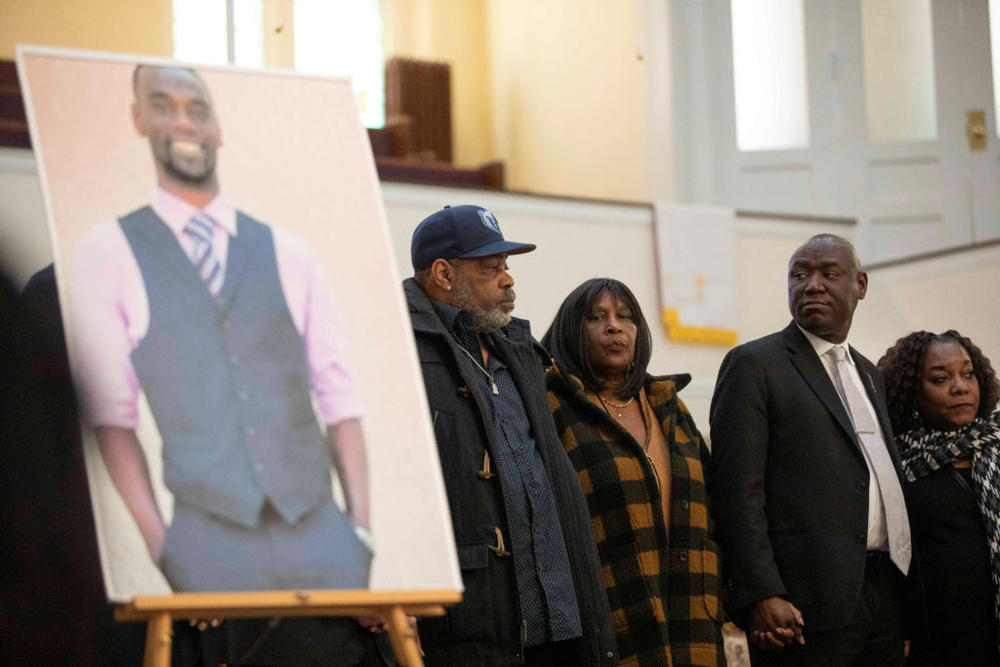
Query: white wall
24, 234
137, 26
569, 97
583, 239
959, 291
580, 240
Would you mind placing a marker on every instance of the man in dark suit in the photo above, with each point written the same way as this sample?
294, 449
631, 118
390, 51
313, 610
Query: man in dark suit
806, 480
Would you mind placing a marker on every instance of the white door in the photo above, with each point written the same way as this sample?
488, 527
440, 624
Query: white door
896, 155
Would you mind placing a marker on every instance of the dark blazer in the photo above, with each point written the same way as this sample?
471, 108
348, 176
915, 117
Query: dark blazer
790, 480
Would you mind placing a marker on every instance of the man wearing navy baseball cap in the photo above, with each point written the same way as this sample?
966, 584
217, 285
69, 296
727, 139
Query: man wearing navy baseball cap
533, 592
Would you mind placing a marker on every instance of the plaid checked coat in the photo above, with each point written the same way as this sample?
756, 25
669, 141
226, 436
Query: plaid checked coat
664, 597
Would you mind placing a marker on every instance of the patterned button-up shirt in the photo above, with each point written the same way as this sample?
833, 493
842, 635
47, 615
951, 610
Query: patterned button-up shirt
545, 589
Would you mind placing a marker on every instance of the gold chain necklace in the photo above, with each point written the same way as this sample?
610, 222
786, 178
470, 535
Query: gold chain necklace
621, 406
646, 424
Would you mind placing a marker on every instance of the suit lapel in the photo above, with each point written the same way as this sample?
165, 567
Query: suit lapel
811, 368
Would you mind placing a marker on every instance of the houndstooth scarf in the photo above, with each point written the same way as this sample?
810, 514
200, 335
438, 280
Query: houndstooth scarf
924, 451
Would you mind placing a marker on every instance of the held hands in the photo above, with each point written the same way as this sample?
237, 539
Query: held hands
377, 625
775, 623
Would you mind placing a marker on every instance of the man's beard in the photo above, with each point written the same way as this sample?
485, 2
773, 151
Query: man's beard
188, 178
197, 178
484, 321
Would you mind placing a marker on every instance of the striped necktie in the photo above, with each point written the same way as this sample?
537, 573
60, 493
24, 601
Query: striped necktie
200, 229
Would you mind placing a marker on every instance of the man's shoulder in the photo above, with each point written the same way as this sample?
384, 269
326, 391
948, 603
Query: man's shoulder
284, 241
146, 210
423, 317
518, 330
415, 297
104, 238
764, 345
518, 333
748, 364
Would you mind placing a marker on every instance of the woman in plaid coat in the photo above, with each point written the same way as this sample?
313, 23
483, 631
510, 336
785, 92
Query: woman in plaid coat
640, 459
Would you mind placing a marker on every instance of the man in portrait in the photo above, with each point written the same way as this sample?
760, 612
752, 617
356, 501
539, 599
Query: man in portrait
227, 326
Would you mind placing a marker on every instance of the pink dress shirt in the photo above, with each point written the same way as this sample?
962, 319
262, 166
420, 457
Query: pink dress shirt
110, 314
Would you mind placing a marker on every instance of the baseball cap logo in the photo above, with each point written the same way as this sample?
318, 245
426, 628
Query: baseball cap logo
489, 220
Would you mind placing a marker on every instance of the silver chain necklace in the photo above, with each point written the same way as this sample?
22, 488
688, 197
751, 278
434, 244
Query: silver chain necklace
493, 383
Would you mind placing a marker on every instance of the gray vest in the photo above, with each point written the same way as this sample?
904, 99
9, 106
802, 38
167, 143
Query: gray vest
227, 378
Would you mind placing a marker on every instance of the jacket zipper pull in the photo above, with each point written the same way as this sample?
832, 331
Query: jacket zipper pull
486, 472
500, 550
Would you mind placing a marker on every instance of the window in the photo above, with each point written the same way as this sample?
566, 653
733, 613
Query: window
900, 97
335, 37
344, 38
200, 31
769, 71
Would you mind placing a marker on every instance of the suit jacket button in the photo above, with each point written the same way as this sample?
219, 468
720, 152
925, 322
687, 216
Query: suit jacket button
683, 556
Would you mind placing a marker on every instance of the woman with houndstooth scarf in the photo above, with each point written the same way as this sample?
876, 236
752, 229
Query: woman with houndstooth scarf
942, 393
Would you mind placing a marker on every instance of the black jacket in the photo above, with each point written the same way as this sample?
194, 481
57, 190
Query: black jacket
790, 482
485, 628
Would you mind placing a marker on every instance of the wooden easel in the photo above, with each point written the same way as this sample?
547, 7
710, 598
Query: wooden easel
160, 610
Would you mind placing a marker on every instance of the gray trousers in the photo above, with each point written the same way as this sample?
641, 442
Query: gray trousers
202, 552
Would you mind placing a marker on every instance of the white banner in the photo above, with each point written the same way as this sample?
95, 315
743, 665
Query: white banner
696, 262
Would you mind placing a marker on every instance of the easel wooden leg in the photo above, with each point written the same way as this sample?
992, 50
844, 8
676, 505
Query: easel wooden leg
159, 611
403, 638
159, 639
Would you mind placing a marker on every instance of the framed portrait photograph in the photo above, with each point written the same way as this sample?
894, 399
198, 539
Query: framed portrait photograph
253, 414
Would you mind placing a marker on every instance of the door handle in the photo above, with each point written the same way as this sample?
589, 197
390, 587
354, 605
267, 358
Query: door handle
975, 129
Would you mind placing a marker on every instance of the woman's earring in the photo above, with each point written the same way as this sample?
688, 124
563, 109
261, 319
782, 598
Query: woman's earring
916, 416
